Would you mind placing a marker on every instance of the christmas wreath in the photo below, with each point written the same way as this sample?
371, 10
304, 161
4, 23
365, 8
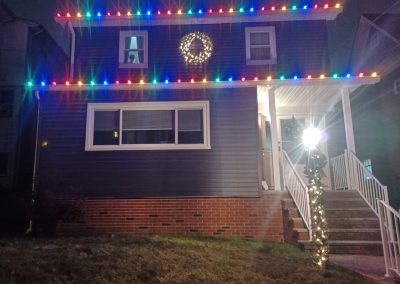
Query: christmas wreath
196, 48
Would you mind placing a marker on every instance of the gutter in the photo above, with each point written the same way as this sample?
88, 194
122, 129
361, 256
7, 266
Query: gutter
35, 163
72, 51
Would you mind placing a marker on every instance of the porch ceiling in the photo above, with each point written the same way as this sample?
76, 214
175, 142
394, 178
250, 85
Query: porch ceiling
308, 96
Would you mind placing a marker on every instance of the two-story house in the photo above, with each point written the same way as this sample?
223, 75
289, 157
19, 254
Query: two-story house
189, 120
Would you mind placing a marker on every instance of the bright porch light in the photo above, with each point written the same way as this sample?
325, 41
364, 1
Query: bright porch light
311, 137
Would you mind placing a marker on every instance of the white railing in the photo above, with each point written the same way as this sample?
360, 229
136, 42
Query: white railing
339, 172
297, 189
389, 221
350, 173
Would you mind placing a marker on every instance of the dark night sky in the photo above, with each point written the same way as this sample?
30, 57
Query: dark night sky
341, 32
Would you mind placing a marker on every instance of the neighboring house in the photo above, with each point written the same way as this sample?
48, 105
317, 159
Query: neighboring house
190, 121
25, 50
376, 115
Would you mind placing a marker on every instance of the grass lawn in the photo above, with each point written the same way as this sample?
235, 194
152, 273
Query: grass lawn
133, 259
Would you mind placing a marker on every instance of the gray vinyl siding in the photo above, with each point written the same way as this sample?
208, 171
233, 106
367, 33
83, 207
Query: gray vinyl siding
230, 168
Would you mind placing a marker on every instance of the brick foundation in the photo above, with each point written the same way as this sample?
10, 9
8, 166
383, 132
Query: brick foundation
250, 218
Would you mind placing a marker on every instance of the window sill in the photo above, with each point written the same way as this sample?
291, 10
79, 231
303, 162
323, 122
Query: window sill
261, 62
146, 147
132, 66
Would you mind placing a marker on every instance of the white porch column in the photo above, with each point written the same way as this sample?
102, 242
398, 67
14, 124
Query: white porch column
274, 139
348, 122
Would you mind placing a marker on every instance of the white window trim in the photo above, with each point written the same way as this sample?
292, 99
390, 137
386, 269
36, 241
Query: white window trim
122, 36
272, 38
173, 105
396, 86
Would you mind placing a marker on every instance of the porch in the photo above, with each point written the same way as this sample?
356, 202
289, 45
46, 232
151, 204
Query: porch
351, 191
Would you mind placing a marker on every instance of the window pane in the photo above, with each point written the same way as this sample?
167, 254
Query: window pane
134, 56
260, 53
190, 126
148, 127
134, 42
259, 38
106, 128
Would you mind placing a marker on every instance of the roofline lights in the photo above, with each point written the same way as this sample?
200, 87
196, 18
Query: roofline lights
202, 80
189, 12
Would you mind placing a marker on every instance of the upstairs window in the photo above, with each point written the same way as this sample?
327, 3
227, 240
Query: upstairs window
133, 49
148, 126
260, 46
6, 103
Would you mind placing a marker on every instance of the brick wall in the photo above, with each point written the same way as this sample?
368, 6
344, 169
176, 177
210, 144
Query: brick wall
247, 218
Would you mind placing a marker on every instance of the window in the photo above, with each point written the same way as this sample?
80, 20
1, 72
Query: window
260, 46
368, 165
396, 85
148, 126
6, 103
133, 49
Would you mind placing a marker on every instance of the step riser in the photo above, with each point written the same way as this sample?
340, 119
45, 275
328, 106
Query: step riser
340, 194
350, 224
349, 214
345, 203
364, 249
297, 223
354, 236
288, 203
292, 213
356, 249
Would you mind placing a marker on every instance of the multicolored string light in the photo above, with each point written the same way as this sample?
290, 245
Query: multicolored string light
199, 12
203, 80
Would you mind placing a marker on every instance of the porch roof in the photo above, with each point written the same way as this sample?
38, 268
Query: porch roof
309, 96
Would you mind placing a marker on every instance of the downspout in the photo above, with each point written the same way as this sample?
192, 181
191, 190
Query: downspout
35, 162
72, 52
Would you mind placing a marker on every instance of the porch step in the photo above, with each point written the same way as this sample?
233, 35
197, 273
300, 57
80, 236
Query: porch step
294, 228
348, 247
332, 194
359, 234
348, 223
345, 212
345, 203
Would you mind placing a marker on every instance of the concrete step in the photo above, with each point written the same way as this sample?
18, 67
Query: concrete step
353, 223
288, 203
301, 234
360, 234
340, 194
356, 212
297, 222
345, 203
292, 212
348, 247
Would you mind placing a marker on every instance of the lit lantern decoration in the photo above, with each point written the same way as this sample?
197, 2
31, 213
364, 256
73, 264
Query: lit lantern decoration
191, 50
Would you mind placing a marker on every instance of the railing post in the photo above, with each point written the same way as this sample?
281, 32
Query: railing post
348, 172
384, 236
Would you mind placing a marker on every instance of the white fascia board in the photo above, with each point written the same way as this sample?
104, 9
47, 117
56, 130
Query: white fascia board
162, 20
275, 83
